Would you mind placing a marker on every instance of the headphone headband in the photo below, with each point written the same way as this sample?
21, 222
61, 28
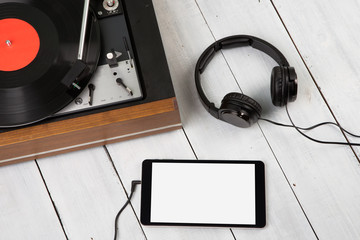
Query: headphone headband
232, 42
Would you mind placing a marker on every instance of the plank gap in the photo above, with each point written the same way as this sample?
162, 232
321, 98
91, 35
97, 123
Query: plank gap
52, 201
232, 233
191, 146
288, 182
313, 78
127, 196
221, 52
268, 143
193, 150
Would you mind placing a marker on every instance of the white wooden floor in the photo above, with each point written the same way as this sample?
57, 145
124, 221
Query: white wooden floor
313, 190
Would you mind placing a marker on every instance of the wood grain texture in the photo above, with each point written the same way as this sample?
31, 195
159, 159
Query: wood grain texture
185, 35
325, 35
307, 165
306, 183
48, 139
26, 211
128, 157
327, 38
74, 148
88, 194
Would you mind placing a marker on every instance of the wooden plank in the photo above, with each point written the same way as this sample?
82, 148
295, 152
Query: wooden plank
327, 39
88, 194
128, 156
26, 209
185, 35
324, 178
331, 51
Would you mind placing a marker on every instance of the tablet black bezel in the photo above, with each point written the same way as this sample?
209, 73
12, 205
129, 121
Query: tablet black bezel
260, 207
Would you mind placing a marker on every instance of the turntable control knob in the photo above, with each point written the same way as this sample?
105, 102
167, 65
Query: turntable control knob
110, 55
110, 3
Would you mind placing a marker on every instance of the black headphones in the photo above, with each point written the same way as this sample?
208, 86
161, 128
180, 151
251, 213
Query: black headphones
239, 109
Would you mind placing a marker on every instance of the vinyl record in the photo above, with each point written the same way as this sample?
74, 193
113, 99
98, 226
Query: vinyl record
39, 44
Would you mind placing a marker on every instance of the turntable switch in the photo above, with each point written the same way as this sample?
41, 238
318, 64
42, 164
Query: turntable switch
108, 8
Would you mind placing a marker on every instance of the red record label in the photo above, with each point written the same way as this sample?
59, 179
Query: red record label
19, 44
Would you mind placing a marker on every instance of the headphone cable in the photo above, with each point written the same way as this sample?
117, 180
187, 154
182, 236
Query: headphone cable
313, 127
133, 187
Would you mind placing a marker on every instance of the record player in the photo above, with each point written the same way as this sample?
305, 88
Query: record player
76, 74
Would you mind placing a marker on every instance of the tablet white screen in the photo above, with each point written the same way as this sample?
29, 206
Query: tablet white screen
209, 193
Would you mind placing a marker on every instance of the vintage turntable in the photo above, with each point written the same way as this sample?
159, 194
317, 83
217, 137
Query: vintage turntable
76, 74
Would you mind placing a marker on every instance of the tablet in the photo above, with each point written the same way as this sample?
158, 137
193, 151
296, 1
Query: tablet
203, 193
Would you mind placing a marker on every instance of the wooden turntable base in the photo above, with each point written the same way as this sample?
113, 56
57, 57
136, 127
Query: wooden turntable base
97, 129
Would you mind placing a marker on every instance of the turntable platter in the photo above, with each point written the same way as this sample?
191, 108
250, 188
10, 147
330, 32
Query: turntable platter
39, 44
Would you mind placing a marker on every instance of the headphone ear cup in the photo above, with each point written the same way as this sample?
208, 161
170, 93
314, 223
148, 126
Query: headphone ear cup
283, 85
239, 110
278, 86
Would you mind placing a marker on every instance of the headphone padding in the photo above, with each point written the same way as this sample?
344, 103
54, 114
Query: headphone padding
243, 99
277, 87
